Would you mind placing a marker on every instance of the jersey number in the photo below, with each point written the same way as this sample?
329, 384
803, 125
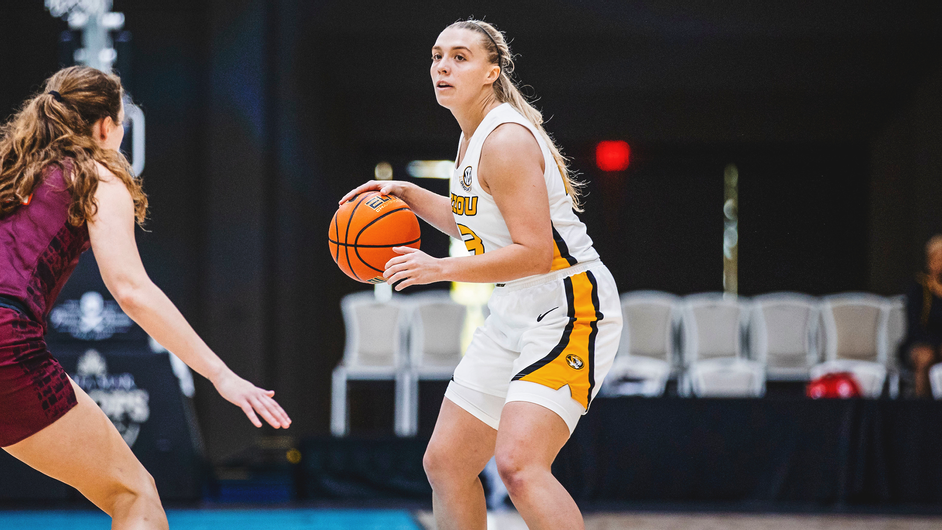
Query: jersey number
471, 240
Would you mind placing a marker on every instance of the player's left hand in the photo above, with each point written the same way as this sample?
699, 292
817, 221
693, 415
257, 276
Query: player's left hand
251, 399
413, 267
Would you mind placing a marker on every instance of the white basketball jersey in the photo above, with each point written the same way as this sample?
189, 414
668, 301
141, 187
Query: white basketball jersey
479, 220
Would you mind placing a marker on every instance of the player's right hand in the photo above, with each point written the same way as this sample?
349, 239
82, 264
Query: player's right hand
386, 187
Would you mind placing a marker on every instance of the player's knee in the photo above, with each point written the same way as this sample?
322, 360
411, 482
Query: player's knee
436, 463
515, 469
142, 484
149, 487
135, 488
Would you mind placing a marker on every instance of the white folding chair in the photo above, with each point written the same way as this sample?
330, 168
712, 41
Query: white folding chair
782, 330
646, 354
895, 326
713, 325
636, 376
854, 329
935, 381
895, 334
373, 351
435, 325
727, 377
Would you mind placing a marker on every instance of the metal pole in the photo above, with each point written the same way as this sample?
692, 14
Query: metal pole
96, 21
731, 230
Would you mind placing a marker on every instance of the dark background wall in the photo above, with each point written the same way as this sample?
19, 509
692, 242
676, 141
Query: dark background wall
261, 114
906, 162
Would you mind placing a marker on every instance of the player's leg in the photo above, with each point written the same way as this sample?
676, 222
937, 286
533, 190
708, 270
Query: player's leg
460, 447
528, 441
463, 440
83, 449
563, 363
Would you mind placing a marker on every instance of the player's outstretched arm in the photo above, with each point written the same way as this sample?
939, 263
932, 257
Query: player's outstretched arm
435, 209
112, 236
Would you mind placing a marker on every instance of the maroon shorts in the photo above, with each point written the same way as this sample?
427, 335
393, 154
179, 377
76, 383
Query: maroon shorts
34, 389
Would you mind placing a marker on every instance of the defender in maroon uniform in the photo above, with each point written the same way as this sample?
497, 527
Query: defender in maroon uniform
64, 187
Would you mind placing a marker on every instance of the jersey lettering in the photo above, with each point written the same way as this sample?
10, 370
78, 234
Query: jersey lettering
464, 205
471, 240
483, 227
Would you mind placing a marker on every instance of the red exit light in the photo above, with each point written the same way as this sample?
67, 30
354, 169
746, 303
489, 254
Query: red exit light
612, 155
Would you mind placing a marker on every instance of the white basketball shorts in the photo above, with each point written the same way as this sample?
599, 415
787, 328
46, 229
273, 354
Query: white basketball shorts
549, 340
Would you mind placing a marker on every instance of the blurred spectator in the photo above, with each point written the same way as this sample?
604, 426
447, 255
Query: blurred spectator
921, 348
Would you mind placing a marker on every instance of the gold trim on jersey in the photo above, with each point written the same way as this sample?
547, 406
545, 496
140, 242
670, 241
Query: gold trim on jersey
561, 256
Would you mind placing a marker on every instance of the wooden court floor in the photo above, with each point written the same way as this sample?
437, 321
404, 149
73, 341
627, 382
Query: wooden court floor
691, 521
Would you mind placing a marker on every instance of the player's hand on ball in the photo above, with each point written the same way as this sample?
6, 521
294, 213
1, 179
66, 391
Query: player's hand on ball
252, 399
413, 267
386, 187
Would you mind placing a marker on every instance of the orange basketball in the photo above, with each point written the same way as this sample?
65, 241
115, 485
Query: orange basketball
364, 231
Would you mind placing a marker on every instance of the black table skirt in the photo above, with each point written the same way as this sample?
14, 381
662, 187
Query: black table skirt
791, 450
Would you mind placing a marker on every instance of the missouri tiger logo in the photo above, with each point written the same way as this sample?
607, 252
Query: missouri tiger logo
574, 362
466, 179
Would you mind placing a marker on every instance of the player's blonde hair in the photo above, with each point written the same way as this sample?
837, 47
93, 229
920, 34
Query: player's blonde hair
506, 91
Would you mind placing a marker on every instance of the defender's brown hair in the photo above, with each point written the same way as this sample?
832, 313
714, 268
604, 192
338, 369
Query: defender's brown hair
56, 125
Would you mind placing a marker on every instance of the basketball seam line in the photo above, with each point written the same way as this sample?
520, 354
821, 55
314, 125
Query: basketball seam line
346, 237
338, 243
337, 233
357, 238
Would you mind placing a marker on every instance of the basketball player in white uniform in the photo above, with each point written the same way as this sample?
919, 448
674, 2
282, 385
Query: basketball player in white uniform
532, 369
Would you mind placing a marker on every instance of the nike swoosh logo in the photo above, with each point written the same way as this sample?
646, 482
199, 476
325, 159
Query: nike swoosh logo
539, 318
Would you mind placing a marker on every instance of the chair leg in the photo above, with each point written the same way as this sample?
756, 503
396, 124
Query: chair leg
338, 403
894, 385
407, 406
413, 403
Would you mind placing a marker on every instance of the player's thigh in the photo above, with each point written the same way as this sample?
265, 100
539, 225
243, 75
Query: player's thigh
529, 435
461, 443
83, 449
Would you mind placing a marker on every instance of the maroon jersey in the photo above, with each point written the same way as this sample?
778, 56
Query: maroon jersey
39, 248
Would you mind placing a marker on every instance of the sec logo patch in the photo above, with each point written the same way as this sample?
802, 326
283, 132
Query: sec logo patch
466, 179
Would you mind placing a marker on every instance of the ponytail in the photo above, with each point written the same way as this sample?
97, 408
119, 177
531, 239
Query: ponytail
507, 92
54, 128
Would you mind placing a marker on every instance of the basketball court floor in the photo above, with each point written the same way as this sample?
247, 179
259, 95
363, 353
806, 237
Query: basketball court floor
693, 521
356, 519
224, 519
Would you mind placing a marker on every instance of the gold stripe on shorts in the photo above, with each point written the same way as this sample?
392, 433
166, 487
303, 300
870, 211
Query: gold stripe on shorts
572, 361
